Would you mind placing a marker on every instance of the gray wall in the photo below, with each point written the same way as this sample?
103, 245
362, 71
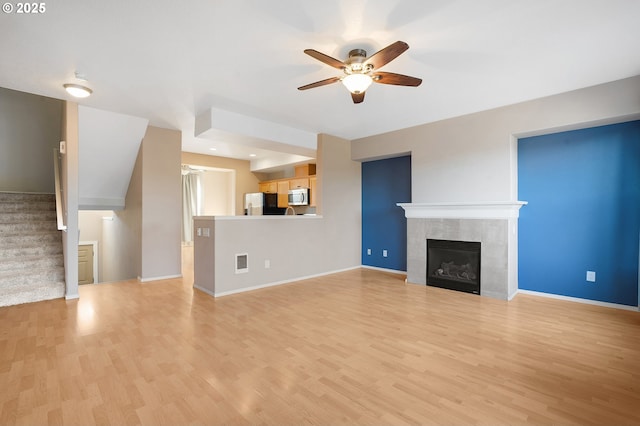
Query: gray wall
297, 247
161, 206
123, 236
474, 157
143, 241
30, 127
218, 193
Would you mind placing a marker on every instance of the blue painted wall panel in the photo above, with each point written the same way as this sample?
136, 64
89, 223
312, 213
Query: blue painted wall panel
583, 189
384, 227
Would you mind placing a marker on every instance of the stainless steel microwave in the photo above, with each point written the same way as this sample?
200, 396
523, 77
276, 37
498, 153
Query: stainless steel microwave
299, 197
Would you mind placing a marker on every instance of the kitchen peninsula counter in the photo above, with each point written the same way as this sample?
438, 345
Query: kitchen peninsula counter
261, 217
269, 244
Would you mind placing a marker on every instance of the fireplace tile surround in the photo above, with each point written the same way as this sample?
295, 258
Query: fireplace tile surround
495, 225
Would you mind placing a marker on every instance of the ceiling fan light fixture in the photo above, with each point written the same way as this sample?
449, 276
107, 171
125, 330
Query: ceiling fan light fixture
77, 90
357, 83
360, 71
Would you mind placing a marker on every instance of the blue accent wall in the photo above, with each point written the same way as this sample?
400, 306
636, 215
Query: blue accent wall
384, 226
583, 189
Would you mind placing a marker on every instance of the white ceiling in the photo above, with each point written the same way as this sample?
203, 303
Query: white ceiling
170, 61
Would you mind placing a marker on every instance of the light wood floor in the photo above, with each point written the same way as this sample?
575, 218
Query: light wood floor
359, 347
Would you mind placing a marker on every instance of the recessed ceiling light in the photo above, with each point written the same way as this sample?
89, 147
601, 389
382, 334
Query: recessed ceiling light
77, 90
212, 149
252, 155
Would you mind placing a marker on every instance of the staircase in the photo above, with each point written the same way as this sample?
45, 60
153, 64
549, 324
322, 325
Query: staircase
31, 259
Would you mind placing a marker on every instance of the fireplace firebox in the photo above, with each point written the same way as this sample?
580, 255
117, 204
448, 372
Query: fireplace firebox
454, 265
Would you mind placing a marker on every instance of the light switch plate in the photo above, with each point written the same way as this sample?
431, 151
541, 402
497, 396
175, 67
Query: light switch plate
591, 276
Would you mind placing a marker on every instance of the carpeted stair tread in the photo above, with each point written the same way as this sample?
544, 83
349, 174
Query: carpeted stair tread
30, 263
27, 251
26, 227
42, 206
32, 239
9, 197
36, 293
31, 276
17, 217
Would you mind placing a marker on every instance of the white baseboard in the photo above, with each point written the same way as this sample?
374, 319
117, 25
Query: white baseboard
167, 277
204, 290
579, 300
72, 296
392, 271
257, 287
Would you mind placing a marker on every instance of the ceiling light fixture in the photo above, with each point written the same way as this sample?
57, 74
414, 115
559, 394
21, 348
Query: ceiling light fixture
357, 83
252, 155
77, 90
212, 149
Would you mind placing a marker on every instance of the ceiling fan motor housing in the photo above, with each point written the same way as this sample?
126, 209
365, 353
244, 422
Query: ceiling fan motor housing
357, 57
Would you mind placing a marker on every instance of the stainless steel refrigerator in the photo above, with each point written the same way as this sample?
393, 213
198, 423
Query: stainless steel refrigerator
261, 203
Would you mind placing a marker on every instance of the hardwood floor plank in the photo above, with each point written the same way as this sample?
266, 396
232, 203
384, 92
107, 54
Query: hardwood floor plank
359, 347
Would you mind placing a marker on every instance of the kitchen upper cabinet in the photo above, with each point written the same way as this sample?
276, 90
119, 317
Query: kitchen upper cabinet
312, 191
299, 183
283, 193
270, 187
305, 170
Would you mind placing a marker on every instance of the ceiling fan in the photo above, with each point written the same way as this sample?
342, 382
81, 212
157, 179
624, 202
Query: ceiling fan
360, 71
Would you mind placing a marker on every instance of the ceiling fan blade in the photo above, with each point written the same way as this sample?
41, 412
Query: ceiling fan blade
396, 79
319, 83
386, 55
357, 98
332, 62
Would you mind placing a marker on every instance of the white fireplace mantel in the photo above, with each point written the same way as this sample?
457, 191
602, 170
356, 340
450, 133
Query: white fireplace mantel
472, 210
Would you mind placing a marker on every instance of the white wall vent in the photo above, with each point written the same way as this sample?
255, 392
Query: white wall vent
242, 263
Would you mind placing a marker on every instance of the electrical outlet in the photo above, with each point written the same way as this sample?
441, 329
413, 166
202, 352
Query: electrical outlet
267, 264
384, 253
368, 252
591, 276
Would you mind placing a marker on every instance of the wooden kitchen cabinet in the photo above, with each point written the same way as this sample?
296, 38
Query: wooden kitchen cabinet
304, 170
299, 183
312, 191
304, 176
283, 193
268, 186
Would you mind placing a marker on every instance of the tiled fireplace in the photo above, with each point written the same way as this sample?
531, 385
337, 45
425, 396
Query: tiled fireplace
493, 225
